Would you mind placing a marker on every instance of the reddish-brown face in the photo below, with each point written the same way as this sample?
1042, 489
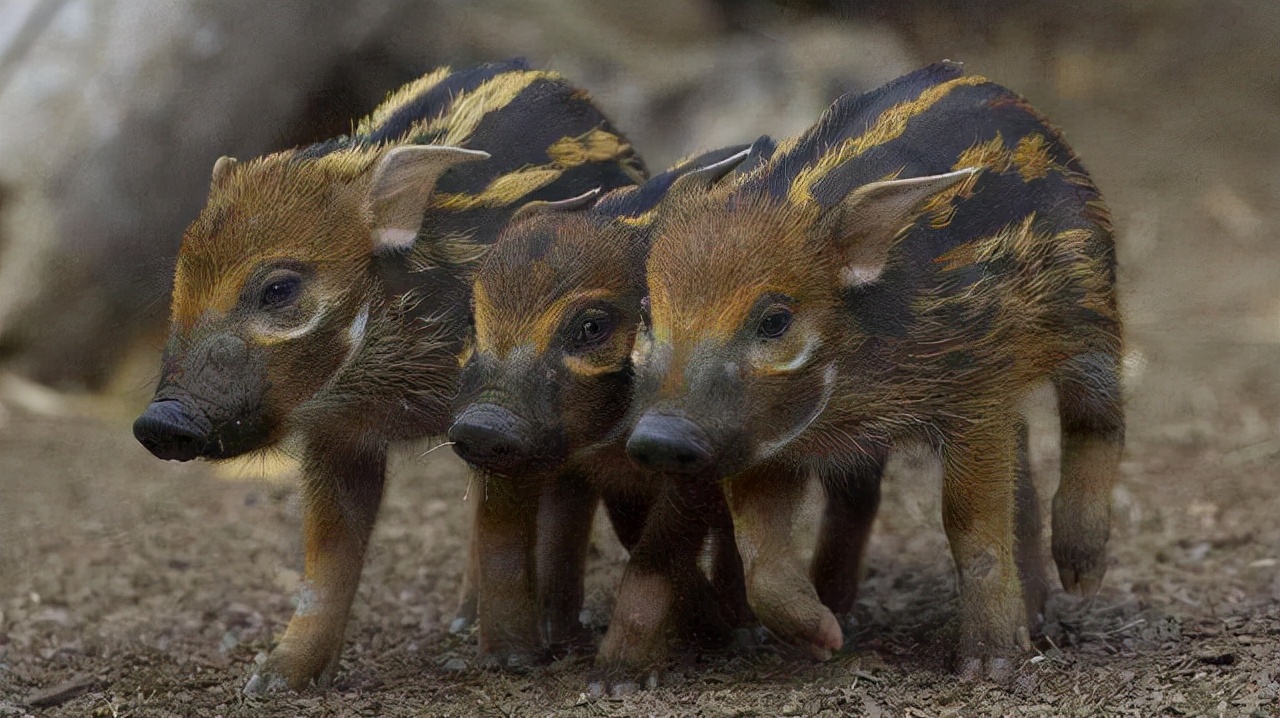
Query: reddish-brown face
266, 305
557, 303
273, 290
748, 319
736, 361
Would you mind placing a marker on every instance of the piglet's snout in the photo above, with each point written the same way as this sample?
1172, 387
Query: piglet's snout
491, 437
670, 442
167, 429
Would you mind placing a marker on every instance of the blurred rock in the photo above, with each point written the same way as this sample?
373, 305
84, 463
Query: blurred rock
115, 110
113, 116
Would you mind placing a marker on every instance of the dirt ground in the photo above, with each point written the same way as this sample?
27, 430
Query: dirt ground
129, 587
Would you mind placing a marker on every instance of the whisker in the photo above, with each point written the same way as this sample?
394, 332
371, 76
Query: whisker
441, 445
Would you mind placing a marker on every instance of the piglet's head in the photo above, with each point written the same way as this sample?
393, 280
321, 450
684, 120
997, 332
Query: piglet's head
273, 287
556, 304
746, 293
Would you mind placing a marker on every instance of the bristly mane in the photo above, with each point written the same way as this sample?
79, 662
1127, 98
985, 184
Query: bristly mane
845, 130
932, 121
430, 97
919, 124
544, 135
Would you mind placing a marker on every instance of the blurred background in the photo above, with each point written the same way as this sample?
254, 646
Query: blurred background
112, 113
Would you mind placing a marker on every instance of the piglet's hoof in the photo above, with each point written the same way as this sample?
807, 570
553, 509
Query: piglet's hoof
1080, 575
461, 624
286, 669
616, 684
261, 684
1080, 532
510, 661
993, 663
815, 633
997, 669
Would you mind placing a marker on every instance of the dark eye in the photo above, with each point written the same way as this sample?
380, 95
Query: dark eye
775, 323
281, 291
593, 329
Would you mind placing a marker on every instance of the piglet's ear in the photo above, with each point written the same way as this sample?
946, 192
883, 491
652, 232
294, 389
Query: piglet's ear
222, 170
868, 220
703, 179
572, 204
403, 181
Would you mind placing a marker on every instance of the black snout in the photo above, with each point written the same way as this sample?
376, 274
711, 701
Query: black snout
668, 442
167, 430
491, 437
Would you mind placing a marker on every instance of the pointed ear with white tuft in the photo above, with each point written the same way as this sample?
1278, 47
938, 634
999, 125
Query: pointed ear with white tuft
702, 180
572, 204
222, 170
868, 220
403, 181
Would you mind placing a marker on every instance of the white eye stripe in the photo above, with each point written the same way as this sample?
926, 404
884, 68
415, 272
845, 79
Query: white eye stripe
641, 349
769, 448
811, 344
296, 332
857, 275
355, 333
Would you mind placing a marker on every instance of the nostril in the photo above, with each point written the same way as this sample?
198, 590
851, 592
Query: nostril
667, 442
166, 431
489, 436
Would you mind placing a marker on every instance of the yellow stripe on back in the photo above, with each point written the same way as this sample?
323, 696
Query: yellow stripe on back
639, 220
888, 126
470, 108
565, 153
401, 97
1032, 157
594, 146
503, 190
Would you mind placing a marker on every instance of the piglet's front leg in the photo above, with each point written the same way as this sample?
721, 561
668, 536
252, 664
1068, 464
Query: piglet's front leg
564, 534
505, 543
662, 584
341, 492
763, 501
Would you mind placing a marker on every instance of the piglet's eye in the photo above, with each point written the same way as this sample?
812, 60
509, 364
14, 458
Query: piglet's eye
281, 291
775, 323
593, 329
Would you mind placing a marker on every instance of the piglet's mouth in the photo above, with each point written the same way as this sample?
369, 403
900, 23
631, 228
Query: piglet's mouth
173, 431
769, 448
